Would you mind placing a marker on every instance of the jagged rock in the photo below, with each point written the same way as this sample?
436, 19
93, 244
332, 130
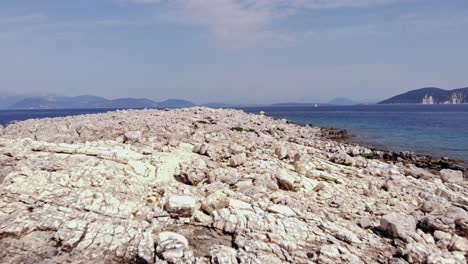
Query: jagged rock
449, 219
133, 136
330, 251
347, 236
398, 225
223, 255
440, 235
202, 218
180, 206
237, 160
215, 201
365, 223
201, 149
342, 158
460, 244
282, 210
437, 258
173, 248
299, 167
281, 152
417, 253
448, 175
236, 149
192, 171
419, 173
287, 181
225, 175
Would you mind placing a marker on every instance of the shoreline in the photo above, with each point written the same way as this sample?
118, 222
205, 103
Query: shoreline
426, 161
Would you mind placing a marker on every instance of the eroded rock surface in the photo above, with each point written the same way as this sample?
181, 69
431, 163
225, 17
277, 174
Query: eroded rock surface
200, 185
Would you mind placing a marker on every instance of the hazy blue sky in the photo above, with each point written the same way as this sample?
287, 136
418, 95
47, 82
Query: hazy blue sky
233, 50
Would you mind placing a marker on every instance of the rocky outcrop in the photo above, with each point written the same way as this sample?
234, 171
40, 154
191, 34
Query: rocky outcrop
200, 185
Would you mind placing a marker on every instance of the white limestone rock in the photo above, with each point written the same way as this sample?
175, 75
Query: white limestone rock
450, 176
180, 205
282, 210
237, 160
173, 248
398, 225
215, 201
223, 255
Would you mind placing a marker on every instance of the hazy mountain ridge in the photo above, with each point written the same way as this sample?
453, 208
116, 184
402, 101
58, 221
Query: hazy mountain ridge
89, 101
430, 95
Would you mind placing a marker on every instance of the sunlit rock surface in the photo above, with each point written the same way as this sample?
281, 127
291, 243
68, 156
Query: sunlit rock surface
200, 185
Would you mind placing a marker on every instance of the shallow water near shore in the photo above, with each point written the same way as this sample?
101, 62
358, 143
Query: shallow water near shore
438, 130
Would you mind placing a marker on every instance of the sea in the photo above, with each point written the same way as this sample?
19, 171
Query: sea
437, 130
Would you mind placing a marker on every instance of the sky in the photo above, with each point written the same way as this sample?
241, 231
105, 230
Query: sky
233, 51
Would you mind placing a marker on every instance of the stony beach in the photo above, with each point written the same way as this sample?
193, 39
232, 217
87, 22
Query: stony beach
200, 185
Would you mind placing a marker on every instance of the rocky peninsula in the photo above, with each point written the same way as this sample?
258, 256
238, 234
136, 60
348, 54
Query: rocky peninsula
200, 185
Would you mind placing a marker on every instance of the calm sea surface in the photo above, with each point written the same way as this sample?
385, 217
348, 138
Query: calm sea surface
439, 130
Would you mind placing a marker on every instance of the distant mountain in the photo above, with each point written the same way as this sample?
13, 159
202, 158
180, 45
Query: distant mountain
7, 100
89, 101
342, 101
175, 103
430, 95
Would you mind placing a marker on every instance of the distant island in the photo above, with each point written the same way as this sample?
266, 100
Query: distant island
87, 101
91, 101
430, 95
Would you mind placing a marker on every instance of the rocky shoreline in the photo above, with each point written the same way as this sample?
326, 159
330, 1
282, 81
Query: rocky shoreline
407, 157
200, 185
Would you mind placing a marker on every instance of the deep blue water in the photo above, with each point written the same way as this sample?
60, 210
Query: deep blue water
439, 130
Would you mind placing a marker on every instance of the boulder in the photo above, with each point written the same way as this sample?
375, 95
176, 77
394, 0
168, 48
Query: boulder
215, 201
288, 182
398, 225
223, 255
450, 176
342, 158
225, 175
133, 136
460, 244
173, 247
417, 252
180, 206
236, 149
365, 223
192, 171
299, 167
281, 152
237, 160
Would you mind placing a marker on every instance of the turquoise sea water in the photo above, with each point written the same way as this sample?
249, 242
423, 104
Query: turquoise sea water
439, 130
